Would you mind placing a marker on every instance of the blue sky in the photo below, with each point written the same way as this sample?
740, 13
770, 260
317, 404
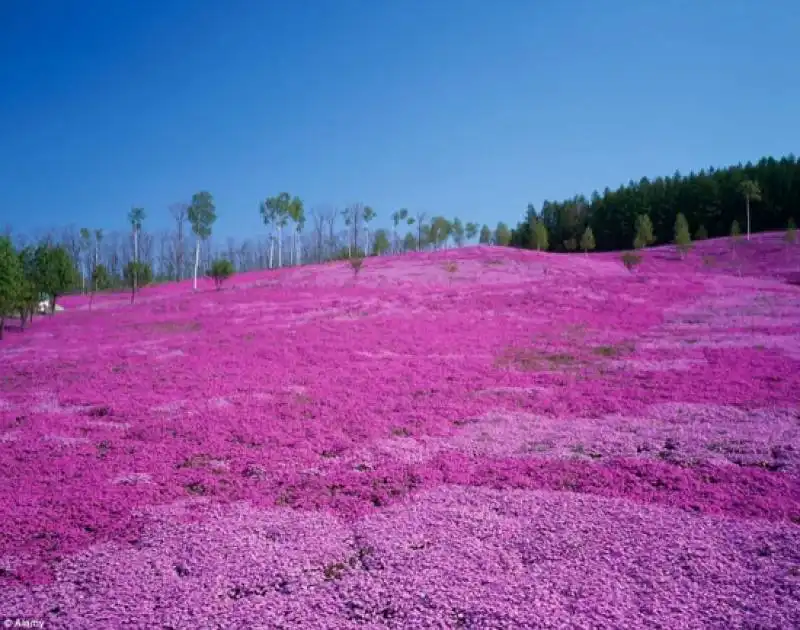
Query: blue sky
465, 108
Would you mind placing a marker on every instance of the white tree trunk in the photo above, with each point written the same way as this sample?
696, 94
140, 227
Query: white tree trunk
196, 263
748, 219
299, 250
366, 241
271, 249
280, 246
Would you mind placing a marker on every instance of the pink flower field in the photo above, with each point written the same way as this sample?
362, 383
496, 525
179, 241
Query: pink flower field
529, 441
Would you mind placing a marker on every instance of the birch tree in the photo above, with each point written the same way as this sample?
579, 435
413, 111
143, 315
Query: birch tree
368, 215
136, 219
202, 213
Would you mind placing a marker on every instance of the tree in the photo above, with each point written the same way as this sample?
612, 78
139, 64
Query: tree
790, 238
178, 212
683, 240
502, 235
136, 218
202, 213
736, 234
221, 270
11, 279
421, 216
137, 275
369, 215
410, 242
701, 234
587, 240
644, 232
471, 230
457, 229
86, 244
30, 292
296, 212
269, 215
485, 237
397, 217
541, 241
438, 231
55, 273
381, 244
570, 245
751, 191
100, 282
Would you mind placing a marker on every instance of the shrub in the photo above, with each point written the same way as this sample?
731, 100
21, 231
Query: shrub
631, 260
683, 241
355, 263
701, 233
221, 270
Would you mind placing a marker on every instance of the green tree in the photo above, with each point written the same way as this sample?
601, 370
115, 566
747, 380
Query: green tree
55, 273
221, 270
368, 215
587, 241
202, 213
136, 219
410, 242
397, 217
644, 232
701, 234
791, 232
100, 282
457, 230
30, 292
85, 246
295, 210
381, 243
11, 279
683, 240
502, 235
541, 239
751, 191
736, 235
485, 236
570, 245
137, 275
471, 230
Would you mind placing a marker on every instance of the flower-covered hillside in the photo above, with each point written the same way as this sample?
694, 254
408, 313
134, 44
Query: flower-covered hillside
480, 438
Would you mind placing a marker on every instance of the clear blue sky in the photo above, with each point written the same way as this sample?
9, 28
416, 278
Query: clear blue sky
460, 107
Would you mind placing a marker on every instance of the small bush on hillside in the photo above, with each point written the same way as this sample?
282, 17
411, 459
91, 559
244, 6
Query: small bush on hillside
570, 245
683, 241
791, 233
356, 262
451, 267
137, 275
221, 270
701, 234
631, 260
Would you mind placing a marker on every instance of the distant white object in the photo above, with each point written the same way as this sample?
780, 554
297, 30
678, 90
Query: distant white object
44, 307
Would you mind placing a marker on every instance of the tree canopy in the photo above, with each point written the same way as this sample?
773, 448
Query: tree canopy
712, 198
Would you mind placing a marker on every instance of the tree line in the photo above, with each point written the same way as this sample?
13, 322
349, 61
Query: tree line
666, 210
759, 197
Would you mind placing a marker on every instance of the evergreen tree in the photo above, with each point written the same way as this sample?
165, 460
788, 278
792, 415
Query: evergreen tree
683, 240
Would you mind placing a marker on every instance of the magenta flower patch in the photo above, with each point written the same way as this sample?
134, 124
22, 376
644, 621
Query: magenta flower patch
531, 440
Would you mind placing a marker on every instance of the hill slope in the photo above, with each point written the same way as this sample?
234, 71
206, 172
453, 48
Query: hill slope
530, 439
